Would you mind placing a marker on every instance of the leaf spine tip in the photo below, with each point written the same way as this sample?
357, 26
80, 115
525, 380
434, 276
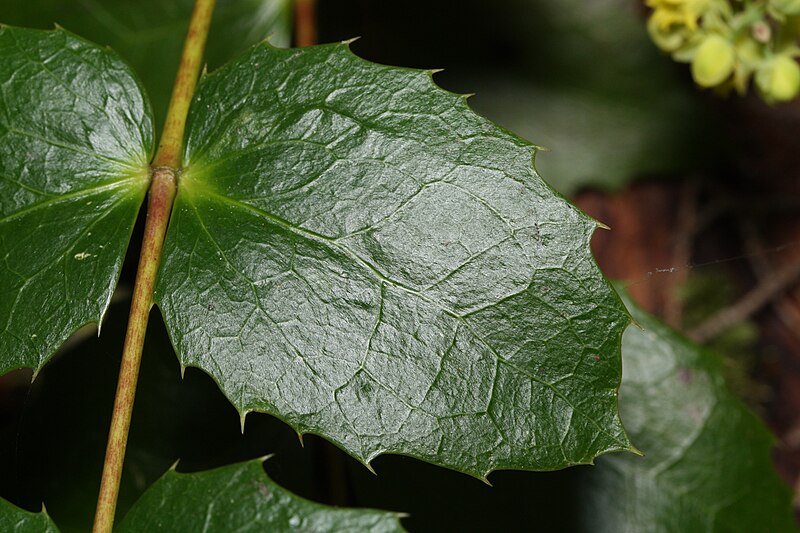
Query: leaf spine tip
266, 40
433, 71
242, 420
348, 42
601, 225
174, 466
265, 458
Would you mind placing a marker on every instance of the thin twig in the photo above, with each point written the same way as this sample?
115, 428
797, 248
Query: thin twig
764, 292
171, 144
785, 310
162, 193
682, 252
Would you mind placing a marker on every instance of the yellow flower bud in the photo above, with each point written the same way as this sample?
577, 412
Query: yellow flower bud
713, 62
683, 12
667, 36
748, 51
779, 79
749, 55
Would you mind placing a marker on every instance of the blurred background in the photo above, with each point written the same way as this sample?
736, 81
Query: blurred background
700, 192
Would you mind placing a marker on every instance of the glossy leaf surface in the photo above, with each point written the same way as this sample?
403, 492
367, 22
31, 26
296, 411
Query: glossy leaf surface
149, 33
707, 464
355, 251
12, 518
75, 141
242, 498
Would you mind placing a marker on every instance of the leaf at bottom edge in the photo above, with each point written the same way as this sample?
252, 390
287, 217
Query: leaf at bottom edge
242, 498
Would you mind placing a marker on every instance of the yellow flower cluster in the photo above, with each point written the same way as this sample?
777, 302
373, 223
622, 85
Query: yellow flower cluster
677, 12
730, 42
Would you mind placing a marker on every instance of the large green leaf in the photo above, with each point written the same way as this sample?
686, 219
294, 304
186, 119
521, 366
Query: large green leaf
150, 33
242, 498
355, 251
12, 518
707, 465
75, 141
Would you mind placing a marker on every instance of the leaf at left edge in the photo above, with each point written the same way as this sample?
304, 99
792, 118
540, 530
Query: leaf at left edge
356, 252
75, 141
242, 498
12, 518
